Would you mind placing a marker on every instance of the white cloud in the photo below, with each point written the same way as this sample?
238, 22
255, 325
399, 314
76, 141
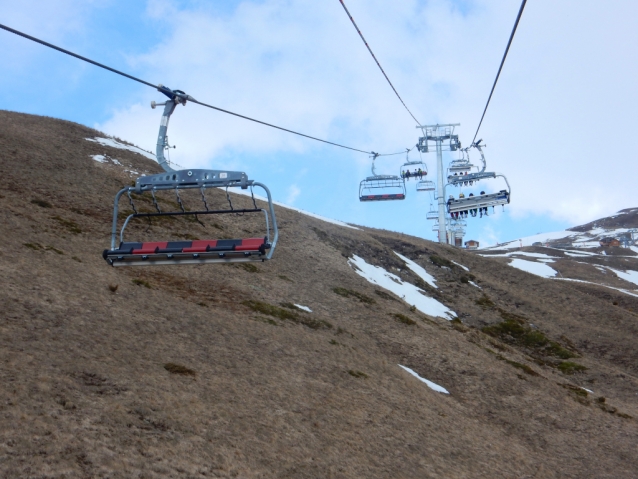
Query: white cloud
293, 193
559, 120
559, 125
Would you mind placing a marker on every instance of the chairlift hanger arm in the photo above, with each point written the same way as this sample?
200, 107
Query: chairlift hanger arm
478, 146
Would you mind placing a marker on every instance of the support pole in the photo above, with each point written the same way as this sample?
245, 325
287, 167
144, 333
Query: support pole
441, 197
438, 134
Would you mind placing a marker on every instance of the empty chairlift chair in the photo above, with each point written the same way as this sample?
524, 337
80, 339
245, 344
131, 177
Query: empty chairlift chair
127, 253
433, 214
381, 187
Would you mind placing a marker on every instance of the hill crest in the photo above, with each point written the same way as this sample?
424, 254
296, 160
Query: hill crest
219, 371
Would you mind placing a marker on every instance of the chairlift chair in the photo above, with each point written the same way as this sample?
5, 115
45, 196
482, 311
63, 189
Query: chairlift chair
421, 184
457, 205
129, 253
460, 166
467, 178
425, 185
381, 187
433, 214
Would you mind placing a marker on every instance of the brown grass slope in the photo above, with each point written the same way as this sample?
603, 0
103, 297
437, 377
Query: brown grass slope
199, 371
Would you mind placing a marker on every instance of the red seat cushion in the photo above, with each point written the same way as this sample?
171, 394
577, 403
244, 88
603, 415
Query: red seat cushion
250, 244
199, 246
149, 248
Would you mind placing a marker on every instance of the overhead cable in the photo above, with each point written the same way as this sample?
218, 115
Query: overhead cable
166, 90
378, 64
518, 18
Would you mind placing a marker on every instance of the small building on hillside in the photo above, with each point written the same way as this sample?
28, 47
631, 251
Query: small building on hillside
472, 244
609, 242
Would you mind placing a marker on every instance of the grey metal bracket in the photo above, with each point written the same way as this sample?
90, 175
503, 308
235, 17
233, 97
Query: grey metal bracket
192, 178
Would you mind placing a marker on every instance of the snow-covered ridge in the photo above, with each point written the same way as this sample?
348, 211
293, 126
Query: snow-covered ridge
298, 210
116, 144
578, 239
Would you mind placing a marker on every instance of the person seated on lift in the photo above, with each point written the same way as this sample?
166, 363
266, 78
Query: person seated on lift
461, 195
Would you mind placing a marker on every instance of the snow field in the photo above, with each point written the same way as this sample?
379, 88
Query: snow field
631, 276
419, 270
408, 292
539, 269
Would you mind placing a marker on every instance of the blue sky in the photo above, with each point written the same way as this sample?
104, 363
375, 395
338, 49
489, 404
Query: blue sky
560, 124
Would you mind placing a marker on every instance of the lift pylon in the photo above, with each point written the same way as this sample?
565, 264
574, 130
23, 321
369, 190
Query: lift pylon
440, 134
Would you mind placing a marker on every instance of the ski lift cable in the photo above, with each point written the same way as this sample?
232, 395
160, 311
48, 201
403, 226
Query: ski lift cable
169, 92
509, 43
377, 61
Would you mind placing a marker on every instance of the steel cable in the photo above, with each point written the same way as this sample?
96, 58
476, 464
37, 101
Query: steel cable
377, 61
518, 18
159, 87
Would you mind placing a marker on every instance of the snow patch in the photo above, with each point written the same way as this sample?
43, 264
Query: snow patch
419, 270
305, 308
475, 285
598, 284
116, 144
631, 276
521, 253
460, 265
99, 158
580, 254
430, 384
539, 269
410, 293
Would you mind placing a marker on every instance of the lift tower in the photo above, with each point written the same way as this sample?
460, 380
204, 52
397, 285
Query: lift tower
438, 134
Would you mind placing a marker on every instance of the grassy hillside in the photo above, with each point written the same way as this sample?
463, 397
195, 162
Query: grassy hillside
210, 371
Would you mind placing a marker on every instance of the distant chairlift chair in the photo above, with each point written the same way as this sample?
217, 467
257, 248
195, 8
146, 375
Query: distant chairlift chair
421, 184
480, 201
466, 178
196, 251
381, 187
